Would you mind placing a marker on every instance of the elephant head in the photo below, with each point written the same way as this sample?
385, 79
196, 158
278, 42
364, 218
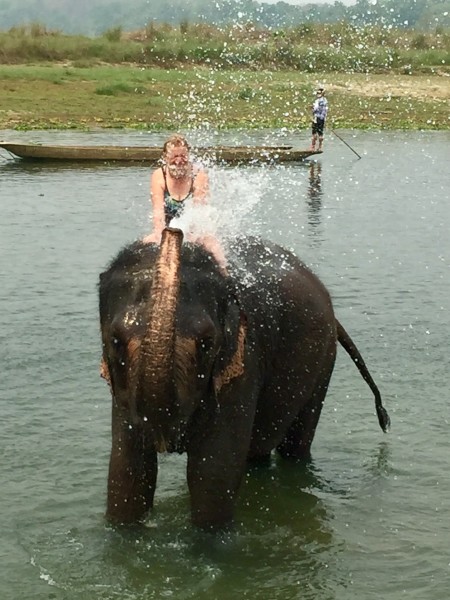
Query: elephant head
184, 342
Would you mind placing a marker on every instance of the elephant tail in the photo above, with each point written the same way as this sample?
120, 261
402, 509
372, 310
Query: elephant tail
349, 346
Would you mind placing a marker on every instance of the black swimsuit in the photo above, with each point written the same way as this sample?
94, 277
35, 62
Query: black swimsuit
173, 207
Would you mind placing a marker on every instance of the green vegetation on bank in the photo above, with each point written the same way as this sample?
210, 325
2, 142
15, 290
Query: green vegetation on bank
308, 47
199, 76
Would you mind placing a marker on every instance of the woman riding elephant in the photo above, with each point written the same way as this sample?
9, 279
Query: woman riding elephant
174, 185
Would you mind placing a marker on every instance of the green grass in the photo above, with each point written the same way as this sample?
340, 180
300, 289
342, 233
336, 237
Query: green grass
86, 92
85, 95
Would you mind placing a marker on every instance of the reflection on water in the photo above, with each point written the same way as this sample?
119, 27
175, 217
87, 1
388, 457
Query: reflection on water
314, 201
283, 542
381, 463
46, 167
283, 546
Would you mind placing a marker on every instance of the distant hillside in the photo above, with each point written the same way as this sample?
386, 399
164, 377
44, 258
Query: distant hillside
92, 17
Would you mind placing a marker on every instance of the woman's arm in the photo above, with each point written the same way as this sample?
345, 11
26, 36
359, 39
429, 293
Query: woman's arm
209, 241
201, 188
157, 200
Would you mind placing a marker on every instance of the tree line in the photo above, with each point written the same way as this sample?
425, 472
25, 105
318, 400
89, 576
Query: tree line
93, 17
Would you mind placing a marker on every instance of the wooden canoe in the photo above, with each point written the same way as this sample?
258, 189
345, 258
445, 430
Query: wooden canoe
152, 154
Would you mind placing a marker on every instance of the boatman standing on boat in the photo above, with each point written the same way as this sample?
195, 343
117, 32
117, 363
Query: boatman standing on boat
172, 186
319, 116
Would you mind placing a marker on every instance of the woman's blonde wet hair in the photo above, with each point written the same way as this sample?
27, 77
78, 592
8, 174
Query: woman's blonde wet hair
176, 140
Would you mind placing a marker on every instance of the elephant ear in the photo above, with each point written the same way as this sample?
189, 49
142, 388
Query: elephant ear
104, 371
229, 362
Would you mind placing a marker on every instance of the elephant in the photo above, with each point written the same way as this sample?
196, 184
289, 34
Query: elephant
224, 367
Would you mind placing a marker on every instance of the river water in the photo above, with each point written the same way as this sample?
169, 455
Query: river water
369, 517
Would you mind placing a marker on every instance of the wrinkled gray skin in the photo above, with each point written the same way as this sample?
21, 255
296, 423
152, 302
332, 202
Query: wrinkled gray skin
226, 370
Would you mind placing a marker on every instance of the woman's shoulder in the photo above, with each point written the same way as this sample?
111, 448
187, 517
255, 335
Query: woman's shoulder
158, 174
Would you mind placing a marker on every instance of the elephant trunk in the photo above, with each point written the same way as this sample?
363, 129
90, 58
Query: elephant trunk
152, 371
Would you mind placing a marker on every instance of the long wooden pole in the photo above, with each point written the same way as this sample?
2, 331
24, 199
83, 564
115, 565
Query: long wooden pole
338, 136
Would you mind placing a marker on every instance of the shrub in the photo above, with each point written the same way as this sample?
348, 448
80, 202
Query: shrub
114, 34
184, 26
419, 42
114, 89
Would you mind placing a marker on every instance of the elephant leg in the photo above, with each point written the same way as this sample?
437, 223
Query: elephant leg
132, 474
299, 437
216, 466
213, 484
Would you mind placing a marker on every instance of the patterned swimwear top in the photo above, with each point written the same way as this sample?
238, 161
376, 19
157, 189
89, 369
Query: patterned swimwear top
173, 207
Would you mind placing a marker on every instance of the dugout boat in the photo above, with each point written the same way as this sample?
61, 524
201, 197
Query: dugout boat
152, 154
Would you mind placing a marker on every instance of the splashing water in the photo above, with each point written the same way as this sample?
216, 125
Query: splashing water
234, 196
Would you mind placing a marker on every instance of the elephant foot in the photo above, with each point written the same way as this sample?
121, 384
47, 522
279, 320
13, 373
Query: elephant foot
259, 461
294, 451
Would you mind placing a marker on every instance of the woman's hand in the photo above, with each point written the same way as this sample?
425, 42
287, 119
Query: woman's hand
153, 237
